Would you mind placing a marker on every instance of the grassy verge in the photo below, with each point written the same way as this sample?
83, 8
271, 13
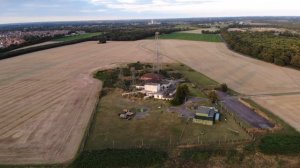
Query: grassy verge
78, 37
121, 158
280, 144
192, 37
203, 156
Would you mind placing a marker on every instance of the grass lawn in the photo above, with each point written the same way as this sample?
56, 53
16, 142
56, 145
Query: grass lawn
192, 75
193, 37
160, 128
77, 37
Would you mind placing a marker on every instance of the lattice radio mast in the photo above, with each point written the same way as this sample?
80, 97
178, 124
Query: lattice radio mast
157, 61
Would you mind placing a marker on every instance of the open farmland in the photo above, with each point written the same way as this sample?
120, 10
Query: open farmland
48, 97
243, 74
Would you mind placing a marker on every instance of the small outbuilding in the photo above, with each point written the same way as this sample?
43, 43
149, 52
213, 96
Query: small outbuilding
206, 115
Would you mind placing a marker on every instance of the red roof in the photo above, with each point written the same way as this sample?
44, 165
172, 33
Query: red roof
152, 77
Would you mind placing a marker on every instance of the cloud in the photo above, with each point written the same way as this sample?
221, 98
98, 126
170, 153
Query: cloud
92, 11
162, 6
198, 8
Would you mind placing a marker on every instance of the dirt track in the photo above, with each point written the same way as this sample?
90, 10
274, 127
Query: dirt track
47, 97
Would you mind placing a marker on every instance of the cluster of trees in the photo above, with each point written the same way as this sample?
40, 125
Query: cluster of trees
14, 53
137, 33
222, 87
181, 94
211, 32
29, 40
120, 34
268, 46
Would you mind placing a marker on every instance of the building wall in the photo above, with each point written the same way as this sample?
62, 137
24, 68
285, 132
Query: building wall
204, 122
152, 88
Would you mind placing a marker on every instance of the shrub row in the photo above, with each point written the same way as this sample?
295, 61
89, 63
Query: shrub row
14, 53
280, 144
121, 158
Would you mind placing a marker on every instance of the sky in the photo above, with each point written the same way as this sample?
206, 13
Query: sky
20, 11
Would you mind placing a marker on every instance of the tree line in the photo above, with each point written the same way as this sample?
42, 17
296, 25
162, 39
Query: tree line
120, 34
29, 40
279, 48
137, 33
211, 32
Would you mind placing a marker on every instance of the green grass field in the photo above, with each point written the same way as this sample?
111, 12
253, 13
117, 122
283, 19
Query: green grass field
77, 37
193, 37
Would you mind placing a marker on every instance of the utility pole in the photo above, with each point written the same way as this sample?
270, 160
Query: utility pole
132, 76
121, 78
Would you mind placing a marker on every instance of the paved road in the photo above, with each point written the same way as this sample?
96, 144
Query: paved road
244, 112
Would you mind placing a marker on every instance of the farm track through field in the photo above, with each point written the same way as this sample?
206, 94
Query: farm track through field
48, 97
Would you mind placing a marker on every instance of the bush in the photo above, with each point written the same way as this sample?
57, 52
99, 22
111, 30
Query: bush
108, 77
279, 61
182, 92
176, 75
296, 61
196, 155
213, 96
102, 40
280, 144
222, 87
137, 66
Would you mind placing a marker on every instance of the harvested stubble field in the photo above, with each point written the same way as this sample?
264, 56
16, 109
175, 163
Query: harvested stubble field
285, 106
48, 97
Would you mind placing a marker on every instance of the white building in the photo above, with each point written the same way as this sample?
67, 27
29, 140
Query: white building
152, 87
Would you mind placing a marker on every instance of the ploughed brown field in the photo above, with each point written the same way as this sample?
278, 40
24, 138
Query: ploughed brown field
47, 98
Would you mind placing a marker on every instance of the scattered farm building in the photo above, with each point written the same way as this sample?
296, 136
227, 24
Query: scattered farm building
206, 115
